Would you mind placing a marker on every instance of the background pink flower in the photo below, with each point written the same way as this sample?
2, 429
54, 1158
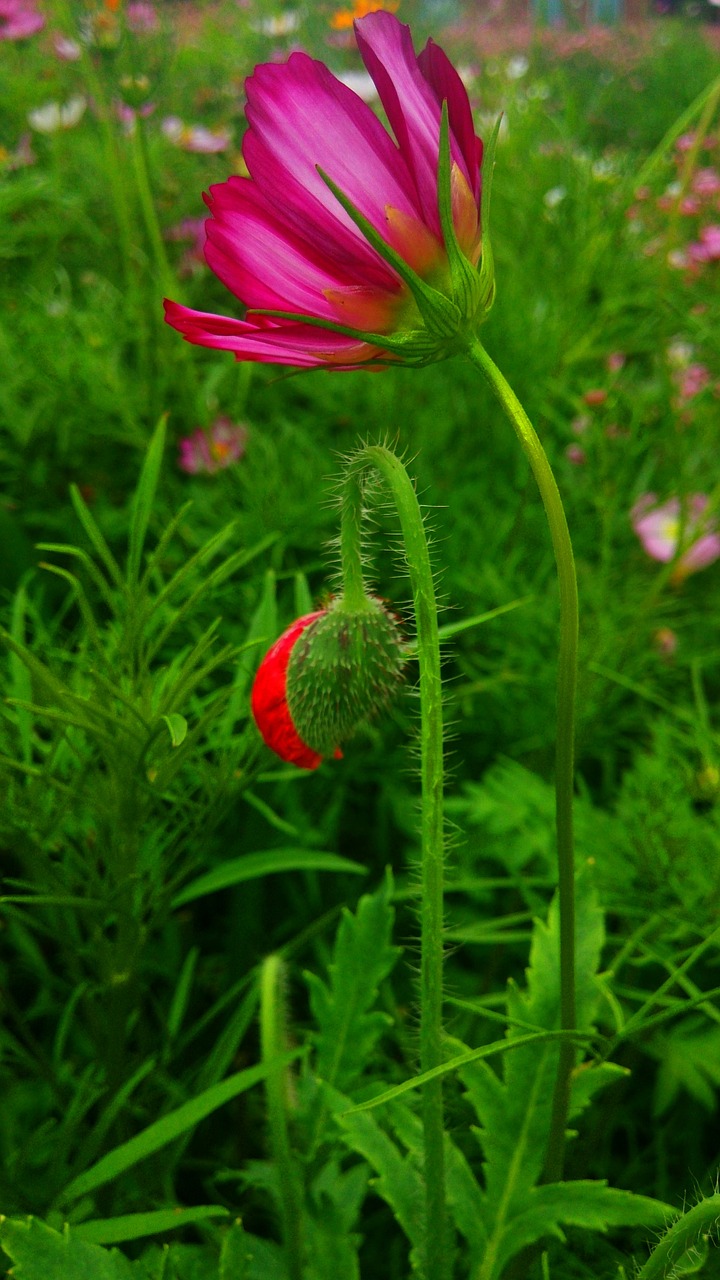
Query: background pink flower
671, 530
205, 452
195, 137
19, 19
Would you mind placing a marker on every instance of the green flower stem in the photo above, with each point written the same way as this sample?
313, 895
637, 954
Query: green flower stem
565, 750
701, 1219
417, 557
147, 204
274, 1049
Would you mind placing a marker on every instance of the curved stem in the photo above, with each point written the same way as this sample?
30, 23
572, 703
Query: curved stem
565, 749
702, 1218
417, 557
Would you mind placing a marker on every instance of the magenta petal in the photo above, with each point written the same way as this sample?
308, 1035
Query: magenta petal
447, 86
299, 345
409, 95
260, 260
303, 119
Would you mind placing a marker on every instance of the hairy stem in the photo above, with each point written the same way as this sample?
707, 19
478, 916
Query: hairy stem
274, 1047
682, 1236
417, 557
565, 749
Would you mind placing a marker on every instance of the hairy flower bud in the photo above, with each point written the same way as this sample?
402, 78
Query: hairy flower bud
342, 669
326, 674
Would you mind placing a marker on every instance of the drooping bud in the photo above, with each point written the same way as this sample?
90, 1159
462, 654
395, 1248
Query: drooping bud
342, 670
329, 671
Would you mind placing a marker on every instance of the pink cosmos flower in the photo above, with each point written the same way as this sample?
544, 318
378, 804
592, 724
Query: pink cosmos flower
671, 531
691, 380
141, 17
214, 450
707, 248
19, 19
282, 240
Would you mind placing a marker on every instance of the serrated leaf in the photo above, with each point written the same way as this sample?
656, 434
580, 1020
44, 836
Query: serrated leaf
398, 1179
39, 1253
689, 1059
592, 1205
515, 1109
348, 1028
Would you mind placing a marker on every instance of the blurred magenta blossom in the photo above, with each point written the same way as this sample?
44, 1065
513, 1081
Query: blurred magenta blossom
205, 452
673, 530
195, 137
141, 17
281, 240
19, 19
707, 248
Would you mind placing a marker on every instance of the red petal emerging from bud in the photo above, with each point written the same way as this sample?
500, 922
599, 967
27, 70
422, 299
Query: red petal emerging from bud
269, 700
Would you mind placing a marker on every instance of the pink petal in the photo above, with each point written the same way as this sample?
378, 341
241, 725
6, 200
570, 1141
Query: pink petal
411, 103
302, 119
264, 263
446, 84
301, 345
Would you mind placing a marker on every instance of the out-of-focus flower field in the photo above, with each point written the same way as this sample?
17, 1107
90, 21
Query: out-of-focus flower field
208, 958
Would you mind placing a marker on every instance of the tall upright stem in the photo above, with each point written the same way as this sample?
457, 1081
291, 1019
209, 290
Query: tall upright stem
565, 749
417, 557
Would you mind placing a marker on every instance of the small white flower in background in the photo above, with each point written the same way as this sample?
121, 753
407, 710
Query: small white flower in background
517, 67
361, 83
282, 24
554, 197
195, 137
53, 116
604, 169
680, 353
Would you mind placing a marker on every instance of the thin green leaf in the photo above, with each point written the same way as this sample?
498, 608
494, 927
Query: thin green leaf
133, 1226
166, 1130
95, 537
143, 500
269, 862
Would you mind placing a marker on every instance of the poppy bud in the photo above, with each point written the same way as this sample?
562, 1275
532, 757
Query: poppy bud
326, 674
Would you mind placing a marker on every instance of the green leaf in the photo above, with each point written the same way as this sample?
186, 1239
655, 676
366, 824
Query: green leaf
143, 500
95, 537
270, 861
163, 1131
515, 1109
398, 1179
263, 630
348, 1027
177, 728
234, 1254
39, 1253
133, 1226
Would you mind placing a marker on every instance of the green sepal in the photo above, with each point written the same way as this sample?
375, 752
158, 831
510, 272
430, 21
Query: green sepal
466, 286
413, 346
440, 314
487, 264
343, 668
